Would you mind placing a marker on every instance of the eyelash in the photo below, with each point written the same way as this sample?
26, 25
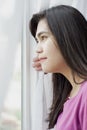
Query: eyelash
41, 38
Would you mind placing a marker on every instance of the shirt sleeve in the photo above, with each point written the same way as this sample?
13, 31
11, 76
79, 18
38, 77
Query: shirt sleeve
83, 116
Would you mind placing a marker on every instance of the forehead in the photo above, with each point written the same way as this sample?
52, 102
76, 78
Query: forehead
42, 27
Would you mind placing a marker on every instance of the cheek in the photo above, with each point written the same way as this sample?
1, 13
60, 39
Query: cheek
53, 52
55, 61
50, 48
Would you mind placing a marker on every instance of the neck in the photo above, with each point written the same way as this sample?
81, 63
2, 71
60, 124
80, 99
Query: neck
75, 86
68, 74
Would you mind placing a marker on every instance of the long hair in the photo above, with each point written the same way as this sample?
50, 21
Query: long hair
69, 28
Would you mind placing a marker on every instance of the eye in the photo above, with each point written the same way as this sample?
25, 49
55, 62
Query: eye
43, 37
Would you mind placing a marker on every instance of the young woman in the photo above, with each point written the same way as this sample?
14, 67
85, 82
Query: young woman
61, 34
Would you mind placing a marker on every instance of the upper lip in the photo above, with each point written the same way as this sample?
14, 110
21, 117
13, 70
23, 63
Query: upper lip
40, 58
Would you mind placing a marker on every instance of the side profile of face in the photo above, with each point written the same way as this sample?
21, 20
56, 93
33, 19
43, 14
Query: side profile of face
48, 51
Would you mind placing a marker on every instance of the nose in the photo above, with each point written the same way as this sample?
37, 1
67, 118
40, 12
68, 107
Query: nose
39, 49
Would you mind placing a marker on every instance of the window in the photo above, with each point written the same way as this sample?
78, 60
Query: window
10, 118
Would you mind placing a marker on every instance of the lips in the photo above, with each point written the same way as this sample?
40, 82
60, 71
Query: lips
42, 58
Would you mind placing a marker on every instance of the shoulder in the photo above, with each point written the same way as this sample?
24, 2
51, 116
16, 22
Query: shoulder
84, 94
84, 90
83, 106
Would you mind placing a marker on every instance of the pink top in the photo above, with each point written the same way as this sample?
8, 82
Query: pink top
74, 115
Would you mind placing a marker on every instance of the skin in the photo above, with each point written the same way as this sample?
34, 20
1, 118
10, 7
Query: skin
47, 48
53, 61
36, 64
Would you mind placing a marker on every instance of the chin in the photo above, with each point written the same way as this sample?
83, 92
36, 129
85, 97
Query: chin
47, 70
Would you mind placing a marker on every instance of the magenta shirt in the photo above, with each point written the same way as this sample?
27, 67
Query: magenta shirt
74, 115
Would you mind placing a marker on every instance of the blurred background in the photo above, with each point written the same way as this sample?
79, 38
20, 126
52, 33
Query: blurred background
10, 64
